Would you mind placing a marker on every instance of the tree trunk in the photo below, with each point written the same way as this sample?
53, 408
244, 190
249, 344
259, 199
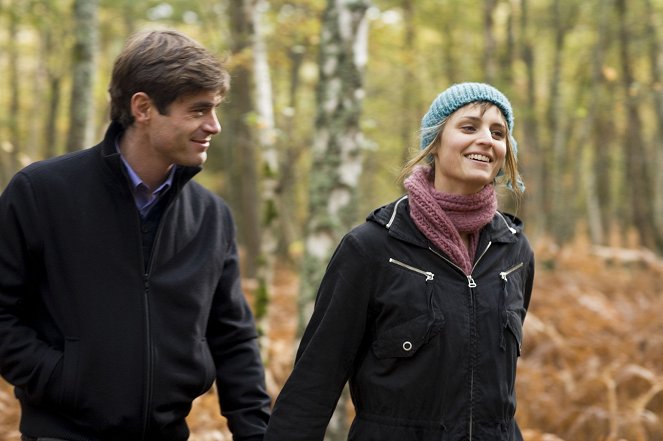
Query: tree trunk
556, 192
53, 72
604, 147
292, 150
39, 84
635, 155
13, 76
82, 102
505, 61
451, 45
337, 150
656, 68
590, 158
410, 89
552, 156
489, 42
50, 129
531, 160
508, 56
240, 158
266, 135
337, 153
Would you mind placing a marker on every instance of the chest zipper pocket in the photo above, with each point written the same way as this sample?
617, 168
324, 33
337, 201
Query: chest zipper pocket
505, 274
429, 275
507, 317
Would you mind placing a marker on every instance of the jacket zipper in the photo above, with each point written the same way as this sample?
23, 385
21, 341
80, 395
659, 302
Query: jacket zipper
149, 368
429, 275
470, 280
147, 388
471, 283
504, 274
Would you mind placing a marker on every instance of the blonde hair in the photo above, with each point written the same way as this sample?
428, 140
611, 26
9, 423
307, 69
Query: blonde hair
510, 177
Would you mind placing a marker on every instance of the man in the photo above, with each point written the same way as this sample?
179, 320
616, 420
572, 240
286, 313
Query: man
120, 298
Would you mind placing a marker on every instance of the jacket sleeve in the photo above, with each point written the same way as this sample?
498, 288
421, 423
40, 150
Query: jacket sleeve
232, 338
25, 361
529, 280
329, 348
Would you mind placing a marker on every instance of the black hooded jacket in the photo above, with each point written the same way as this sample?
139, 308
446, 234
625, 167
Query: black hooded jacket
97, 346
430, 352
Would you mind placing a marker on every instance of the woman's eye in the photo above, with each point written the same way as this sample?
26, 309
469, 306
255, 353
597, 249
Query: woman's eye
498, 134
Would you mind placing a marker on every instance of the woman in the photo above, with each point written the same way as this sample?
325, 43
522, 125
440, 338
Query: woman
422, 306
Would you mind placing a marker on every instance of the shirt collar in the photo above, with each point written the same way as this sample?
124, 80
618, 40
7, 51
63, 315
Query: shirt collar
136, 181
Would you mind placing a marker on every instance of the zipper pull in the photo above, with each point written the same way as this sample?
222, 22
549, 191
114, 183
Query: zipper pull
470, 282
429, 275
503, 274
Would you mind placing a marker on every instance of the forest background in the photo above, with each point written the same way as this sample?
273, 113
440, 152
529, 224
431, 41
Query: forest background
324, 108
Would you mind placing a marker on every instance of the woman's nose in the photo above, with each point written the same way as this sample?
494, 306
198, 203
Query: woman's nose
486, 136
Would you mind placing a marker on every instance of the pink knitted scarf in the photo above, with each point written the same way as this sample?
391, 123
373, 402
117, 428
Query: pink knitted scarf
441, 217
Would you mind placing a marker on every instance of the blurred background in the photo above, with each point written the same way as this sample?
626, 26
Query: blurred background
324, 109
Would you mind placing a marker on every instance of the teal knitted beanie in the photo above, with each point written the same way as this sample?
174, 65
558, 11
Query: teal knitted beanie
456, 97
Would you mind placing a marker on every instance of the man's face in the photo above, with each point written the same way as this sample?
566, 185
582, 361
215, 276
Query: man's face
182, 136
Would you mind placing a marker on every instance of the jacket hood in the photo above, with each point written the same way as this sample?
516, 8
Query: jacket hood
395, 217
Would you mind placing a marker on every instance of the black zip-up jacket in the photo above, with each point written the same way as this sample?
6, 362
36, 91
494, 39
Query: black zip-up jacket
430, 352
100, 348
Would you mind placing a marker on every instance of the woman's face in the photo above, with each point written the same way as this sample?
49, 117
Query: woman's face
472, 149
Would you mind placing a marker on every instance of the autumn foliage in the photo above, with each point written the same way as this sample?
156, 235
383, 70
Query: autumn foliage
592, 363
592, 369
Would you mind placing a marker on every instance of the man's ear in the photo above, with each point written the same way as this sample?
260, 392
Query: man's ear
141, 107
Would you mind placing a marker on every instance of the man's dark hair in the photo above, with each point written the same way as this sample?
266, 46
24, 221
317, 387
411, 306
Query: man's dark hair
166, 65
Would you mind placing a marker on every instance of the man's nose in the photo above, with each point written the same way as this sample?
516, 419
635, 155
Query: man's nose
212, 124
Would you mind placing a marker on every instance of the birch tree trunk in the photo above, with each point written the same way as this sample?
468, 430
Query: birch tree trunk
85, 46
269, 171
337, 149
337, 154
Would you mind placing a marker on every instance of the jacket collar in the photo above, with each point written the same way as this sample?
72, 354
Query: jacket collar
395, 217
113, 161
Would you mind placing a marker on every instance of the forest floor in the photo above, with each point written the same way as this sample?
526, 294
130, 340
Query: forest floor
592, 361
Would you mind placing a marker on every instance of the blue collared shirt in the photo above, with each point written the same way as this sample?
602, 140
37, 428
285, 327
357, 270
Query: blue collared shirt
142, 196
